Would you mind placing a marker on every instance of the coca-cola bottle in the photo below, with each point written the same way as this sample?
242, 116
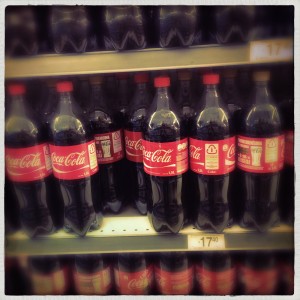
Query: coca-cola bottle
21, 30
258, 273
231, 24
50, 95
133, 274
260, 155
109, 148
215, 274
232, 99
70, 29
11, 208
133, 142
125, 27
49, 276
28, 166
230, 94
92, 275
74, 160
184, 97
174, 274
212, 158
123, 98
165, 160
176, 25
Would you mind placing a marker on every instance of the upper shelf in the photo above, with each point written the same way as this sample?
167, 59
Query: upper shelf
256, 52
130, 232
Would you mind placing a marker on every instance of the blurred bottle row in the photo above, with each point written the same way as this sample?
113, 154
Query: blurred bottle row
96, 170
73, 29
166, 273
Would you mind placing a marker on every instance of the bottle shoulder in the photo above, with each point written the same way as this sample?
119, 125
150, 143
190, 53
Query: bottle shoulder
263, 117
217, 115
21, 131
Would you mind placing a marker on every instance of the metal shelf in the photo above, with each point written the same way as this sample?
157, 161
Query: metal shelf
130, 232
150, 59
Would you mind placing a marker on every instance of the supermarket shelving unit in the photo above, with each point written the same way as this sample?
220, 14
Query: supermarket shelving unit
130, 232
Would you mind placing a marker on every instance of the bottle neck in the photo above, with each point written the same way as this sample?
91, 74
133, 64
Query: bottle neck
211, 96
141, 94
17, 105
262, 94
97, 96
163, 98
123, 92
184, 91
65, 103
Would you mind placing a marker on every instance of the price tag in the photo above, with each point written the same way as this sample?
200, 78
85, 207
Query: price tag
281, 49
206, 241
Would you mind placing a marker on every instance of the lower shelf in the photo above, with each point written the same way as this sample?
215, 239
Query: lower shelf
130, 232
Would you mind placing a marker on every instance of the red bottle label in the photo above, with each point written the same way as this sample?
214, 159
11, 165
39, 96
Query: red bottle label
216, 283
288, 273
109, 147
28, 164
74, 162
212, 157
98, 283
259, 282
289, 147
174, 283
55, 283
260, 155
165, 159
134, 147
135, 283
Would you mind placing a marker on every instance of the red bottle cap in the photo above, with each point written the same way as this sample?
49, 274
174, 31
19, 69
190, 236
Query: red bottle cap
211, 78
16, 89
64, 86
162, 81
141, 77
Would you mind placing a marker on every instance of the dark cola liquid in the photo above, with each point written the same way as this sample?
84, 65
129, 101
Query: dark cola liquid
111, 185
163, 124
184, 99
212, 123
21, 31
69, 127
174, 274
287, 185
133, 274
259, 273
176, 25
125, 27
40, 208
216, 273
49, 275
259, 191
92, 275
135, 122
11, 208
69, 28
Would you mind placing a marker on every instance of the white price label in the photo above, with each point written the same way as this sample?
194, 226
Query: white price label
206, 241
281, 49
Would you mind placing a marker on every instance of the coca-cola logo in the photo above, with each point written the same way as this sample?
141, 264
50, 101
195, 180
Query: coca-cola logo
159, 156
32, 160
139, 283
231, 151
195, 152
134, 144
70, 160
